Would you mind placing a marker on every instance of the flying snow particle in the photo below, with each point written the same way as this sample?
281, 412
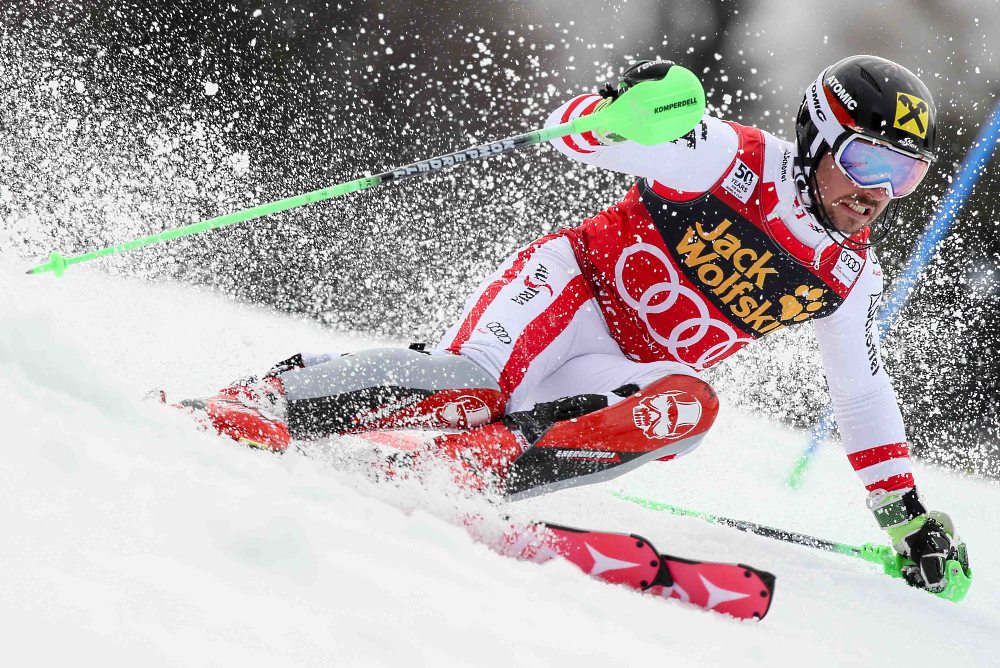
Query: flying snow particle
211, 88
240, 163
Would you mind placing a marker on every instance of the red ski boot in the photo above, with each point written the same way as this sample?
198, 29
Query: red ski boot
249, 413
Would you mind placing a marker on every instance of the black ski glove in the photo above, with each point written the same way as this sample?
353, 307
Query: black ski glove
643, 70
928, 539
929, 542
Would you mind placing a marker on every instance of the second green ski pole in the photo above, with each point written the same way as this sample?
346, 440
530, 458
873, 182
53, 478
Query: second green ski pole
892, 563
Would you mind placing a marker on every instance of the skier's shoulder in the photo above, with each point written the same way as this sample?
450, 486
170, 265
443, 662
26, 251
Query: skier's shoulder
778, 192
767, 156
712, 141
778, 156
869, 277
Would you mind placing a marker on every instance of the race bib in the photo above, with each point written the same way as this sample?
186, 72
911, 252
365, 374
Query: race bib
740, 181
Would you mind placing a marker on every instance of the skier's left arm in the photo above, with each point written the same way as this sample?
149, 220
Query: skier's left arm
691, 164
871, 427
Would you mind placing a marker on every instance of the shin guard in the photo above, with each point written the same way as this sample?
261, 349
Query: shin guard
665, 419
580, 440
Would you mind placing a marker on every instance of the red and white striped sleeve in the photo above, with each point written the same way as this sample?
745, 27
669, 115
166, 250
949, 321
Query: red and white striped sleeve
865, 405
577, 144
692, 163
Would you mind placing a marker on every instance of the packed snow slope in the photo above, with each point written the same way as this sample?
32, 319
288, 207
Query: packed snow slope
129, 538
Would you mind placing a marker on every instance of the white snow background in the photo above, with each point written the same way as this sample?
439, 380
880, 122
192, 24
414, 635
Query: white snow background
130, 538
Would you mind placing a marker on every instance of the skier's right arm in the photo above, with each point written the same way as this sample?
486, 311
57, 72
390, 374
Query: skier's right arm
693, 163
871, 426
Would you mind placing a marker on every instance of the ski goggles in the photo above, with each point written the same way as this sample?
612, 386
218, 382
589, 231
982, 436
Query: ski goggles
873, 164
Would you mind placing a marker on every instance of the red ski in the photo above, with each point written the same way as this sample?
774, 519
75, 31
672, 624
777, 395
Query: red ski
738, 590
493, 458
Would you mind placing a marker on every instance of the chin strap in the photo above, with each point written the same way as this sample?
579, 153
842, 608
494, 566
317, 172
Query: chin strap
879, 228
805, 183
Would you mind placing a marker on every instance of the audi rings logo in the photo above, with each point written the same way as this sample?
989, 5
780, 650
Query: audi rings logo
498, 331
682, 338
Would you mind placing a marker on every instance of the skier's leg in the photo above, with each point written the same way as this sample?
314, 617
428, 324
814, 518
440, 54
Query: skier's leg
309, 396
663, 420
660, 411
578, 410
611, 374
603, 372
582, 440
521, 324
529, 317
518, 327
386, 388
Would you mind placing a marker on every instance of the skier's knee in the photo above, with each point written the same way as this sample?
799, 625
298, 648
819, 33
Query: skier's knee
583, 439
690, 404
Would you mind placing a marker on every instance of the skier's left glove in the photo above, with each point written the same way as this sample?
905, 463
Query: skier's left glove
928, 539
637, 72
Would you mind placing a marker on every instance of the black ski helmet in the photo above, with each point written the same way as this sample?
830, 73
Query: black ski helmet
864, 95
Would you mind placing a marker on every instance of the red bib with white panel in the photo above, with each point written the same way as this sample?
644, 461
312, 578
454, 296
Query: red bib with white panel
695, 276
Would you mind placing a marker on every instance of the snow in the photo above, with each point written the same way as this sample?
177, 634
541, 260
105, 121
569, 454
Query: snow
132, 539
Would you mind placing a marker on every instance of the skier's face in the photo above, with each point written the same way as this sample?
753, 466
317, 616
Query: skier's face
849, 206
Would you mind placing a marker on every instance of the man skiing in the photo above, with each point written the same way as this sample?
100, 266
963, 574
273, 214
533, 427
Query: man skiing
577, 360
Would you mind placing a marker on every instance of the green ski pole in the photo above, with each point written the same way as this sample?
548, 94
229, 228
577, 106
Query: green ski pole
651, 112
892, 563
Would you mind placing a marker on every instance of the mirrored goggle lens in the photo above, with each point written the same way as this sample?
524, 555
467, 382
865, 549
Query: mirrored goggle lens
871, 165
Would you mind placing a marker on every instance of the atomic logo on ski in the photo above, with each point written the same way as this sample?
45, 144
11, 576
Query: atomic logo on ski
717, 595
604, 563
669, 415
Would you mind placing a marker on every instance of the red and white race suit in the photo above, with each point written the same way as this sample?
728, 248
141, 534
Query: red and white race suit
708, 251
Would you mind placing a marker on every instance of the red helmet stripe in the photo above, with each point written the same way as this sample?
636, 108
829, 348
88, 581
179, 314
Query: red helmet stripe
843, 117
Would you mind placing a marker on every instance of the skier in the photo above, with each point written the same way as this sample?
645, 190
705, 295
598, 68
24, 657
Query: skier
577, 359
